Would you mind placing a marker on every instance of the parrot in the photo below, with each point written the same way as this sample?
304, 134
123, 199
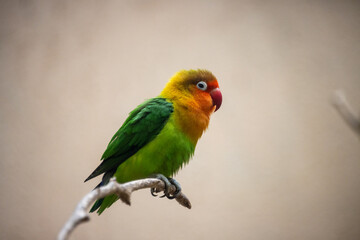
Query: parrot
160, 135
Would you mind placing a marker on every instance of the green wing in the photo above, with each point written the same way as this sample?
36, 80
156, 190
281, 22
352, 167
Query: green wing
143, 125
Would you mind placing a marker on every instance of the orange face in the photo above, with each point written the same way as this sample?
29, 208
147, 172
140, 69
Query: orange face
207, 93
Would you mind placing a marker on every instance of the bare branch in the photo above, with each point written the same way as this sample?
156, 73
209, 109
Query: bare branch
124, 191
345, 110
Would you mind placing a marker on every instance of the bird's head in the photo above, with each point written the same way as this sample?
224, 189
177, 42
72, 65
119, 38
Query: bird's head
198, 89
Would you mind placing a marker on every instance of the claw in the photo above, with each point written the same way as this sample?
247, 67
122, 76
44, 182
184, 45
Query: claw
162, 196
168, 182
152, 190
177, 191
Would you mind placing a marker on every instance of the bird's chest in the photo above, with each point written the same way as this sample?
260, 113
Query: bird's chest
170, 150
165, 154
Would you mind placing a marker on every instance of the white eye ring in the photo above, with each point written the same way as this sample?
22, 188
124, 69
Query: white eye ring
201, 85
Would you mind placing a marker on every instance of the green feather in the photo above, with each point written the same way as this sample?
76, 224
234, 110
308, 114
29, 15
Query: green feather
142, 125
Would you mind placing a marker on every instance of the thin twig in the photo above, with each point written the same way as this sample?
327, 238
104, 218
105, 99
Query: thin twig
124, 191
345, 110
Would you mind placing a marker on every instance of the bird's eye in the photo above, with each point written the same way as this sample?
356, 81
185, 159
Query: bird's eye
201, 85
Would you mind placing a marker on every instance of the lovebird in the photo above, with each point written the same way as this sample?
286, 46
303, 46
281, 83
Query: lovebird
160, 135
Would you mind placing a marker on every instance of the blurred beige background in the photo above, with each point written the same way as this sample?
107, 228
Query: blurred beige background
277, 162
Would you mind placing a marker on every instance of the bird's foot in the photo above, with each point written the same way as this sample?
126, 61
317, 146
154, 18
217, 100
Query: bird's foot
177, 189
168, 182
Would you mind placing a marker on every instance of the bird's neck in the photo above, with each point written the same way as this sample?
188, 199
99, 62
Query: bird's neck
191, 120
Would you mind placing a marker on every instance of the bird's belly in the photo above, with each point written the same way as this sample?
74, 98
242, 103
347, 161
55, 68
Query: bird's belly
166, 154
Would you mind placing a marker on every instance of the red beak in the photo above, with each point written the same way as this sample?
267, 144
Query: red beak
216, 98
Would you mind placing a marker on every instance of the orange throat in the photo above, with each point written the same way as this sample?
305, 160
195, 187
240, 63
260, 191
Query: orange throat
192, 120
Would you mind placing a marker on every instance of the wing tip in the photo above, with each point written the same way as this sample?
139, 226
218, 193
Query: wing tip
92, 175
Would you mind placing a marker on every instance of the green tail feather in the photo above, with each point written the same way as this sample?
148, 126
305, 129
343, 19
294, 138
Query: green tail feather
102, 204
96, 205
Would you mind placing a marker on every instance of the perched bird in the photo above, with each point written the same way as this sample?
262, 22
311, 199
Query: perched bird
160, 135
